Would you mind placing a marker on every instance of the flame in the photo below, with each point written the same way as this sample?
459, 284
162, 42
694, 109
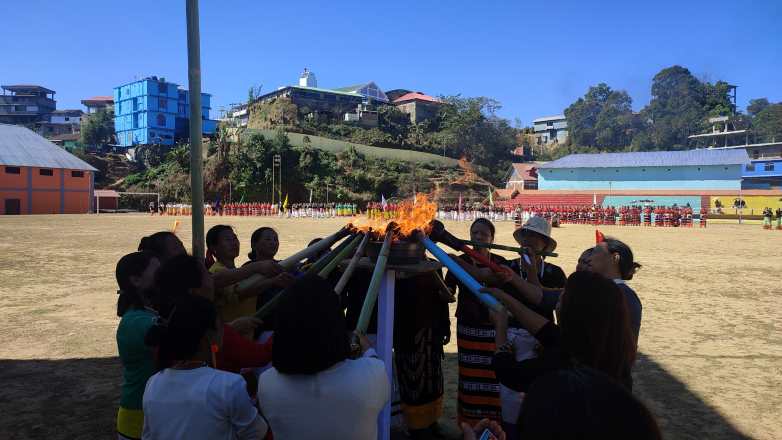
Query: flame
409, 215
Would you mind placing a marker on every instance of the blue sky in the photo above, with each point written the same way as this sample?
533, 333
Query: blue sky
534, 57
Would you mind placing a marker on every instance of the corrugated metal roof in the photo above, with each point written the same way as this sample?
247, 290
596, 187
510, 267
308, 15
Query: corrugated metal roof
20, 146
24, 87
108, 193
415, 96
549, 118
651, 159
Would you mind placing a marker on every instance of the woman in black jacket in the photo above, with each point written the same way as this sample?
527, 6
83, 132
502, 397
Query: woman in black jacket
593, 330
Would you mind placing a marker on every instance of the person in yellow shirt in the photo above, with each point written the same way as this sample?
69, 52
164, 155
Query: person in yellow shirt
222, 250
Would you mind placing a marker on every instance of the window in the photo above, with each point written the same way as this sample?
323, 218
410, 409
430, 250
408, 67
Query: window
13, 170
769, 166
751, 167
162, 104
755, 154
161, 120
46, 172
77, 173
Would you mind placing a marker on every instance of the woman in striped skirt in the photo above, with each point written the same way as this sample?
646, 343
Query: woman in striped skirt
479, 390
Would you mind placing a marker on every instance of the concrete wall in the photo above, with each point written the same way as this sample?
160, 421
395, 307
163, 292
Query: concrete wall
689, 177
60, 193
419, 111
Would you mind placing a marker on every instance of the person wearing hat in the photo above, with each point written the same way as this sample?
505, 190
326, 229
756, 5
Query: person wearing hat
536, 235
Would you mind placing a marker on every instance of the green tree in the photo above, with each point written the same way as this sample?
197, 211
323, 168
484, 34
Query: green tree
768, 123
757, 105
470, 128
602, 118
98, 129
677, 109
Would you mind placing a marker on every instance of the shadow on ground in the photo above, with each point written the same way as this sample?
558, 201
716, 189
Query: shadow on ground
59, 399
77, 399
679, 411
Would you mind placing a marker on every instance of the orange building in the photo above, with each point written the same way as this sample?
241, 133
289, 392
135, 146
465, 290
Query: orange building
38, 177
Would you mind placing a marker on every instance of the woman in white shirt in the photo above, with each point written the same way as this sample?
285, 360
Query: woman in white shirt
188, 399
314, 390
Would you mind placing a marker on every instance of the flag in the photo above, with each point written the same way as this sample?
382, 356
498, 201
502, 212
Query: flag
310, 195
599, 237
491, 198
460, 203
285, 203
383, 202
594, 199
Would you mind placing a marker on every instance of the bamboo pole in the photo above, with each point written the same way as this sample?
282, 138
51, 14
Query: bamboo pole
518, 250
374, 284
327, 258
473, 285
343, 280
291, 262
267, 308
341, 255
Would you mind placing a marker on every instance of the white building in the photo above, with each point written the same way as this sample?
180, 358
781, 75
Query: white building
550, 130
307, 79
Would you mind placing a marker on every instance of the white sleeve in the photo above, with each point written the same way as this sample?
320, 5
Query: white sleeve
247, 423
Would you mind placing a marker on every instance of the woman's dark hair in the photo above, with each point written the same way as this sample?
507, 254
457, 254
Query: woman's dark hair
257, 236
212, 237
627, 266
178, 334
310, 333
486, 222
581, 402
156, 243
595, 324
129, 266
174, 280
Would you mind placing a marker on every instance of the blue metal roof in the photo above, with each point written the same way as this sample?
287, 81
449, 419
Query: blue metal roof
20, 146
651, 159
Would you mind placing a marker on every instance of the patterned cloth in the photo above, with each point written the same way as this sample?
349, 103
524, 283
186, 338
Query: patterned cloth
479, 390
420, 376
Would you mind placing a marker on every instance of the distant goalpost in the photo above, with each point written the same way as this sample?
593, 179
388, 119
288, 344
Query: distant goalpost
129, 193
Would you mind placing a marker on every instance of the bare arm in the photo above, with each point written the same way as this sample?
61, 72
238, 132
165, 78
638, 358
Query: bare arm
227, 277
530, 320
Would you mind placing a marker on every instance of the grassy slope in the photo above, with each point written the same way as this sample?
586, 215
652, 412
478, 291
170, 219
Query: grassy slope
336, 146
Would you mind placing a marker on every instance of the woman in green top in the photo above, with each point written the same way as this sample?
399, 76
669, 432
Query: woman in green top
135, 276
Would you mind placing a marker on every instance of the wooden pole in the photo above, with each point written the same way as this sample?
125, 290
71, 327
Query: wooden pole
196, 158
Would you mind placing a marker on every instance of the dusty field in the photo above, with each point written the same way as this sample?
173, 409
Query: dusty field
711, 338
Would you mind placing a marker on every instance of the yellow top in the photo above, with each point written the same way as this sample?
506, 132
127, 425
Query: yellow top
227, 299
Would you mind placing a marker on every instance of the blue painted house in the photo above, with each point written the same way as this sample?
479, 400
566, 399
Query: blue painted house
656, 170
153, 111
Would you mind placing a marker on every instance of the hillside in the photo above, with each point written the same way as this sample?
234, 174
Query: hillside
338, 146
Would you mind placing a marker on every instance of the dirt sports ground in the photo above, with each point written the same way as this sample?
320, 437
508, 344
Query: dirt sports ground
710, 361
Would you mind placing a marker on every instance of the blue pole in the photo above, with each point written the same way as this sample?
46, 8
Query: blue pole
466, 279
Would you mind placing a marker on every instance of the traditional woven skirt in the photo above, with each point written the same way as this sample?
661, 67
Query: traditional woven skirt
420, 375
479, 390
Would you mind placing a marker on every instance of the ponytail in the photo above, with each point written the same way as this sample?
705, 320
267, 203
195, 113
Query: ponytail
627, 265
